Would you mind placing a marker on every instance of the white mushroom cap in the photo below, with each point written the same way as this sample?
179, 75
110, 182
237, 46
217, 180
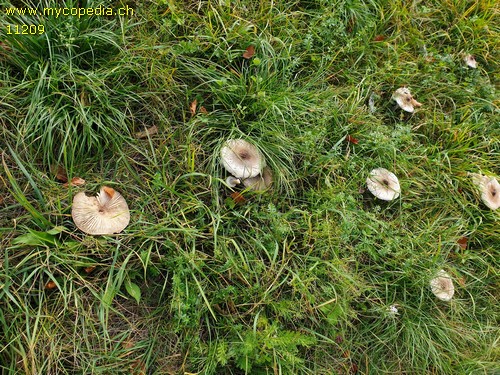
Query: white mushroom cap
107, 213
490, 190
261, 182
405, 100
442, 286
232, 181
383, 184
241, 159
470, 61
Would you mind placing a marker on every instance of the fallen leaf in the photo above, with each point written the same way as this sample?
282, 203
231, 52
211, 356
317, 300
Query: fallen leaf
351, 139
354, 368
379, 38
89, 269
138, 368
146, 133
192, 107
127, 344
75, 181
238, 197
461, 282
60, 173
4, 47
109, 191
249, 52
203, 110
50, 285
462, 242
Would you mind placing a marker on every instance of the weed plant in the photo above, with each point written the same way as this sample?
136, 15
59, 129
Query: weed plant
315, 276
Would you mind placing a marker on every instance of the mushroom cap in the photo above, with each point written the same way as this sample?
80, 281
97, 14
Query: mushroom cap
241, 159
107, 213
470, 61
489, 188
260, 182
405, 100
383, 184
490, 192
442, 286
232, 181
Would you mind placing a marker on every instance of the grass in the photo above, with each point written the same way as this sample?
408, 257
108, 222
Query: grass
302, 279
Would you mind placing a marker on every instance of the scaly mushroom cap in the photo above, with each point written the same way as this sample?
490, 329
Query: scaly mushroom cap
261, 182
383, 184
442, 286
470, 61
405, 100
107, 213
241, 159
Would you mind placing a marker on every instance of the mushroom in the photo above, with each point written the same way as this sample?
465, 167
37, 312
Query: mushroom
405, 100
383, 184
241, 159
470, 61
107, 213
442, 286
260, 182
490, 190
233, 181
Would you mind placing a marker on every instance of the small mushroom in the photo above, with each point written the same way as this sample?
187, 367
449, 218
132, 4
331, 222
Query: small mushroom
105, 214
383, 184
470, 61
233, 181
260, 182
241, 159
442, 286
405, 100
489, 188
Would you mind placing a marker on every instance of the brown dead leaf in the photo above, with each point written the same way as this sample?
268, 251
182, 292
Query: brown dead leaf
462, 242
75, 181
4, 47
50, 285
238, 197
203, 110
138, 368
379, 38
89, 269
60, 173
109, 191
351, 139
192, 107
249, 52
354, 368
127, 344
146, 133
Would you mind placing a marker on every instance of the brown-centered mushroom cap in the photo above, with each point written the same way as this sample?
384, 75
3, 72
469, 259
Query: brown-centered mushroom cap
383, 184
442, 286
489, 188
470, 61
241, 159
107, 213
405, 100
